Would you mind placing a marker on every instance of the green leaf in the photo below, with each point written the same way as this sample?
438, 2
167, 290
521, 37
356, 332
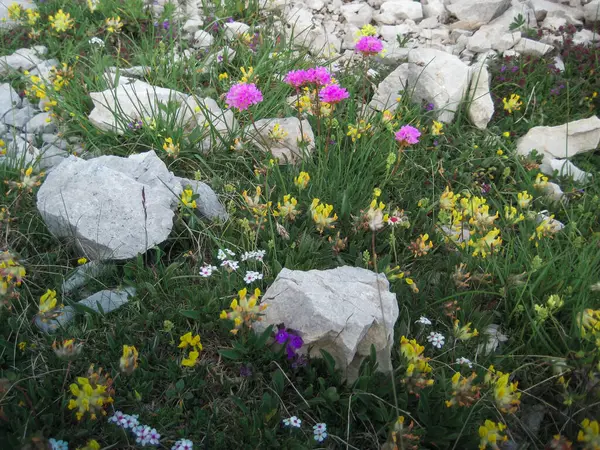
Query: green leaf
190, 314
180, 385
329, 361
262, 339
278, 382
230, 353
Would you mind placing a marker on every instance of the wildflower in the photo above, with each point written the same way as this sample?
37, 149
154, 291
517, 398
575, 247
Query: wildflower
418, 369
490, 433
367, 30
320, 432
15, 11
333, 94
277, 133
588, 322
292, 422
288, 210
436, 128
374, 219
92, 394
28, 180
171, 149
129, 360
319, 76
224, 254
589, 434
506, 134
113, 24
257, 255
92, 5
321, 214
464, 361
81, 261
541, 181
524, 199
487, 244
423, 321
296, 78
192, 341
183, 444
186, 200
448, 199
245, 310
420, 247
252, 276
60, 21
246, 74
301, 181
505, 392
436, 339
58, 444
230, 265
32, 16
356, 132
369, 45
144, 435
191, 360
223, 76
512, 104
464, 333
547, 227
464, 393
242, 96
92, 444
510, 214
206, 270
68, 349
48, 302
125, 421
408, 135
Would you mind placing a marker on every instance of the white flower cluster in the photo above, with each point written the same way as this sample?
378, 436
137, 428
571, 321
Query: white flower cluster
144, 435
252, 276
125, 421
58, 444
292, 422
257, 255
183, 444
320, 432
436, 339
464, 361
231, 265
224, 254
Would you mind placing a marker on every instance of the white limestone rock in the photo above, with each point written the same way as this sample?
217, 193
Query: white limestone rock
477, 11
41, 123
591, 11
235, 29
296, 144
192, 25
481, 105
357, 13
565, 168
202, 39
22, 59
339, 311
534, 48
207, 203
394, 11
9, 99
562, 141
18, 117
99, 204
430, 75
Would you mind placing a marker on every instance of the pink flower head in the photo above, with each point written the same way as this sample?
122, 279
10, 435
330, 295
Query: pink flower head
243, 95
333, 94
296, 78
369, 45
319, 76
408, 135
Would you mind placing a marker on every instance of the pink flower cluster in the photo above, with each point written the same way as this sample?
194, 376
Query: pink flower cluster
408, 135
369, 45
319, 76
243, 95
333, 94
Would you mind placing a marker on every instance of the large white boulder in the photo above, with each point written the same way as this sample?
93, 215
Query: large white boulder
430, 75
477, 11
9, 99
295, 140
357, 13
562, 141
591, 11
115, 108
342, 311
393, 12
481, 105
111, 207
22, 59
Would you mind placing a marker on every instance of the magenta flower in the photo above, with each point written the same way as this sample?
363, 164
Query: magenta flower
296, 78
333, 94
408, 135
243, 95
369, 45
319, 76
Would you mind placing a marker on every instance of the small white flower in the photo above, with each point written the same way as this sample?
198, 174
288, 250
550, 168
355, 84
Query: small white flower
207, 270
96, 41
230, 265
252, 276
258, 255
154, 437
320, 428
464, 361
295, 422
436, 339
423, 321
222, 254
372, 73
183, 444
286, 422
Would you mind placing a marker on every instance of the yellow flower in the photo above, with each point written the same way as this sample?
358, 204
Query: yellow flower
589, 434
436, 128
524, 199
246, 74
277, 133
499, 152
92, 5
170, 148
463, 391
245, 310
32, 16
367, 30
490, 433
512, 215
187, 200
288, 210
48, 302
588, 321
22, 346
448, 199
92, 394
191, 360
321, 214
92, 444
129, 361
487, 244
505, 393
113, 24
512, 104
418, 369
376, 192
81, 261
541, 181
357, 131
60, 21
420, 246
506, 134
301, 181
68, 349
223, 76
15, 11
192, 341
464, 333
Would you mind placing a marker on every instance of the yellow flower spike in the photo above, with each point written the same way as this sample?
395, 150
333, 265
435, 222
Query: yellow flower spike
61, 22
48, 302
464, 333
436, 128
128, 362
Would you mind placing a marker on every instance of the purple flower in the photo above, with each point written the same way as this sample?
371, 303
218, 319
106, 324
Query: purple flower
429, 107
290, 352
319, 76
296, 78
243, 95
436, 143
166, 25
485, 188
514, 68
503, 68
369, 45
333, 94
408, 135
245, 371
282, 336
300, 361
295, 341
230, 20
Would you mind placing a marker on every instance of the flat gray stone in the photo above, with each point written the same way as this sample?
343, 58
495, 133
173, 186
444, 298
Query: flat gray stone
41, 123
9, 99
51, 156
22, 59
207, 203
18, 117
